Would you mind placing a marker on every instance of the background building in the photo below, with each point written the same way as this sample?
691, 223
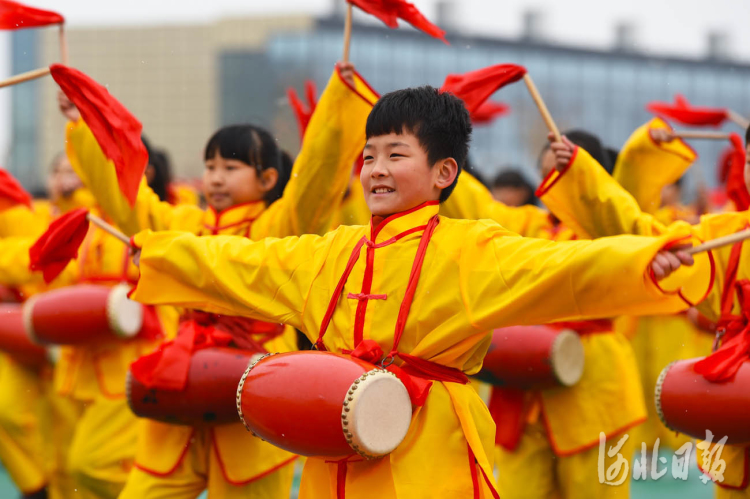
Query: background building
184, 82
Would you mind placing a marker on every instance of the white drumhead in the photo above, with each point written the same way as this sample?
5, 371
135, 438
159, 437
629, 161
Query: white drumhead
380, 414
125, 315
567, 358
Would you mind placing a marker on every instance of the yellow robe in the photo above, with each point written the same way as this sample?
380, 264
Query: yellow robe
319, 178
588, 199
476, 276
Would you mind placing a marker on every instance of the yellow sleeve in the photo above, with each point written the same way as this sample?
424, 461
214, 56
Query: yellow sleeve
98, 174
644, 167
14, 265
591, 203
334, 138
267, 280
540, 281
471, 200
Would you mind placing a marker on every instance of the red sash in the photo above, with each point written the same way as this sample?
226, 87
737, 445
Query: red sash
167, 368
732, 330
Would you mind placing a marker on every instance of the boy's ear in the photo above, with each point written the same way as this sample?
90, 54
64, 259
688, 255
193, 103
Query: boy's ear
446, 171
268, 179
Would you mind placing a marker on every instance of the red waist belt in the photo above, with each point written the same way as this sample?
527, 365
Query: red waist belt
167, 368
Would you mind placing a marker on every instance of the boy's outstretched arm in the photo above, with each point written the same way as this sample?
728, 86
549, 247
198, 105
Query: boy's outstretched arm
536, 281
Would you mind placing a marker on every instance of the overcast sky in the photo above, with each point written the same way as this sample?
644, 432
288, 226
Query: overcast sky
677, 27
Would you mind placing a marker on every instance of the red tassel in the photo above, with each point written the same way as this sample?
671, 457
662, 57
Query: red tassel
58, 246
736, 187
489, 111
682, 112
389, 11
14, 15
117, 131
11, 192
475, 87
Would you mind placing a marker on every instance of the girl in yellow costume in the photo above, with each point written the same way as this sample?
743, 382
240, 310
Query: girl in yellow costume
243, 187
596, 205
466, 278
99, 448
548, 441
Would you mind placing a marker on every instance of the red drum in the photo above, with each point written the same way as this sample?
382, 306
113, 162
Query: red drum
208, 397
533, 358
13, 338
82, 314
688, 403
324, 404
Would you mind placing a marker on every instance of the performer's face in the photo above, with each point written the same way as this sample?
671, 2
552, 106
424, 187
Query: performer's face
229, 182
396, 175
62, 180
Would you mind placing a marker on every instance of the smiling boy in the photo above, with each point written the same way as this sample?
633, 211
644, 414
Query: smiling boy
450, 281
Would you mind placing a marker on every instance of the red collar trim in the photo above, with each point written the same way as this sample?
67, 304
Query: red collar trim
377, 223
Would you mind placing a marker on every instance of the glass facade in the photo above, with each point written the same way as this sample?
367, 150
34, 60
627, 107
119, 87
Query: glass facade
601, 92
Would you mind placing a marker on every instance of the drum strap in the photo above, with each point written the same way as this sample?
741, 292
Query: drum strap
724, 363
416, 374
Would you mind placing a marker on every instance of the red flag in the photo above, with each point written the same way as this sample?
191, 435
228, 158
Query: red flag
58, 246
116, 130
736, 187
303, 112
682, 112
389, 11
11, 192
477, 86
488, 111
14, 15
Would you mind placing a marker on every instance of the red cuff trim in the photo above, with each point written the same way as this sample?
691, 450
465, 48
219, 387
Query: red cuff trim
745, 474
338, 72
549, 181
711, 261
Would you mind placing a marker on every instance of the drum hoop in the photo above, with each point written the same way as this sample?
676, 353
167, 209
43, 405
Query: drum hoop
241, 385
350, 398
657, 394
114, 293
27, 314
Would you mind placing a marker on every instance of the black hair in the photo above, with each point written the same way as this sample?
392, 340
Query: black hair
254, 146
439, 121
592, 145
514, 178
747, 136
613, 155
159, 160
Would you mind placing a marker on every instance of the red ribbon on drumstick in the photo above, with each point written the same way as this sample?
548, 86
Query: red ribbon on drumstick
116, 130
15, 16
303, 112
687, 114
12, 192
59, 244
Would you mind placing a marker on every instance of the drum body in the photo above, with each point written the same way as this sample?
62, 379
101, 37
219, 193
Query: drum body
324, 404
13, 338
688, 403
208, 397
82, 314
533, 358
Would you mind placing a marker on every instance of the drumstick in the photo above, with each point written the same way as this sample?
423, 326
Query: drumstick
108, 228
20, 78
737, 118
690, 134
720, 242
347, 31
63, 46
542, 107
